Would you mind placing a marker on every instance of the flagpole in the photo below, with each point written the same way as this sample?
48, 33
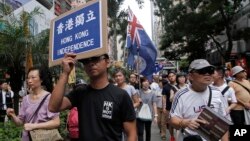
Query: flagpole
137, 68
125, 57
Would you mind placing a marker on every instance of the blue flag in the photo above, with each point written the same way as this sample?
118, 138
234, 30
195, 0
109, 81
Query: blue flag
158, 67
141, 51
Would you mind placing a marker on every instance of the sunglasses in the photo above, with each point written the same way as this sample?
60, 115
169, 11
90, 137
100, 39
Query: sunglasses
92, 59
203, 71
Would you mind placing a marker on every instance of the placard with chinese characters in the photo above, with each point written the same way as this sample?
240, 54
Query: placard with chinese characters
82, 31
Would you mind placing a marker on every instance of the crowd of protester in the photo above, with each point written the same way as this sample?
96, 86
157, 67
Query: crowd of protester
110, 111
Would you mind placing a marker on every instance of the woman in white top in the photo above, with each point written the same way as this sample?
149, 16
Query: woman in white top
149, 99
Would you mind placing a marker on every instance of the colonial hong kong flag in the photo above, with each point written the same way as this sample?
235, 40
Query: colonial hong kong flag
139, 43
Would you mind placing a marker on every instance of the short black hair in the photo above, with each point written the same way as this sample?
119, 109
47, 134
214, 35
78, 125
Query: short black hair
220, 69
173, 72
106, 55
119, 70
45, 76
143, 79
180, 75
164, 75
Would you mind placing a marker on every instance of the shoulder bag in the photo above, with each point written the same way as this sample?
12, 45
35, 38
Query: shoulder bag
44, 134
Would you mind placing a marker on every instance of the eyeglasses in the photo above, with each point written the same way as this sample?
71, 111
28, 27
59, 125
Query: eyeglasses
92, 59
209, 70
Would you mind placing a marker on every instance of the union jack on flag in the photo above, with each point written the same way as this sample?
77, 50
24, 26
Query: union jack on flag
133, 27
142, 51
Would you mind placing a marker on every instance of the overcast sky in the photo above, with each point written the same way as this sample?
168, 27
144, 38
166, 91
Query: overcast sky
23, 1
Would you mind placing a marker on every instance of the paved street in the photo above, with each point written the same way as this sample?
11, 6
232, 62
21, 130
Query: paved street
155, 135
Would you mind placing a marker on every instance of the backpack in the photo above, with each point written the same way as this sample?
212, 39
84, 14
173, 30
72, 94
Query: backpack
72, 123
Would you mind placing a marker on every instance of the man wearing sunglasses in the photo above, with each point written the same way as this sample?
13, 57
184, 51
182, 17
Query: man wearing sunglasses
189, 102
105, 111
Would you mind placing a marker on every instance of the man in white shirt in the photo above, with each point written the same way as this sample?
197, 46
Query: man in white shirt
189, 102
228, 93
6, 100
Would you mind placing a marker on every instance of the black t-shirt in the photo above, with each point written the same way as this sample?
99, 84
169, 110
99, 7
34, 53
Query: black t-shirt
166, 91
136, 85
102, 112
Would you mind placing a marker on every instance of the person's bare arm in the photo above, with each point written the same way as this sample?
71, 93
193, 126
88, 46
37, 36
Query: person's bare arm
229, 108
57, 101
225, 137
155, 112
172, 94
179, 123
136, 101
164, 102
130, 130
10, 112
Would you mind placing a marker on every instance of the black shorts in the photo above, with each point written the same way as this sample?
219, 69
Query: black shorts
237, 117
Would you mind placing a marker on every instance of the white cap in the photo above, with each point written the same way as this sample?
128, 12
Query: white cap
236, 70
199, 64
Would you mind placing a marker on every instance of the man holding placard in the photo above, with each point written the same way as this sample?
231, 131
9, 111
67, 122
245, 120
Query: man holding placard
105, 111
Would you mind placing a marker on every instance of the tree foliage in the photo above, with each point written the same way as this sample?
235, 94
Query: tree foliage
189, 26
15, 41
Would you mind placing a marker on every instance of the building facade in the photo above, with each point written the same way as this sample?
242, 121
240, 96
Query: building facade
240, 54
39, 22
61, 6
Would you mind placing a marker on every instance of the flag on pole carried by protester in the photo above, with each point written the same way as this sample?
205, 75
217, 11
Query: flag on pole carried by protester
141, 51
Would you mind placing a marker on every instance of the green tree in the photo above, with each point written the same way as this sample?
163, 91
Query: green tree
118, 24
191, 25
15, 42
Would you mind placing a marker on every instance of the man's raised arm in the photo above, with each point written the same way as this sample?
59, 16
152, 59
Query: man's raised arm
57, 101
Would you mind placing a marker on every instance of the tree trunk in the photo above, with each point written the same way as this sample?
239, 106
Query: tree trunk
228, 33
230, 43
115, 42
